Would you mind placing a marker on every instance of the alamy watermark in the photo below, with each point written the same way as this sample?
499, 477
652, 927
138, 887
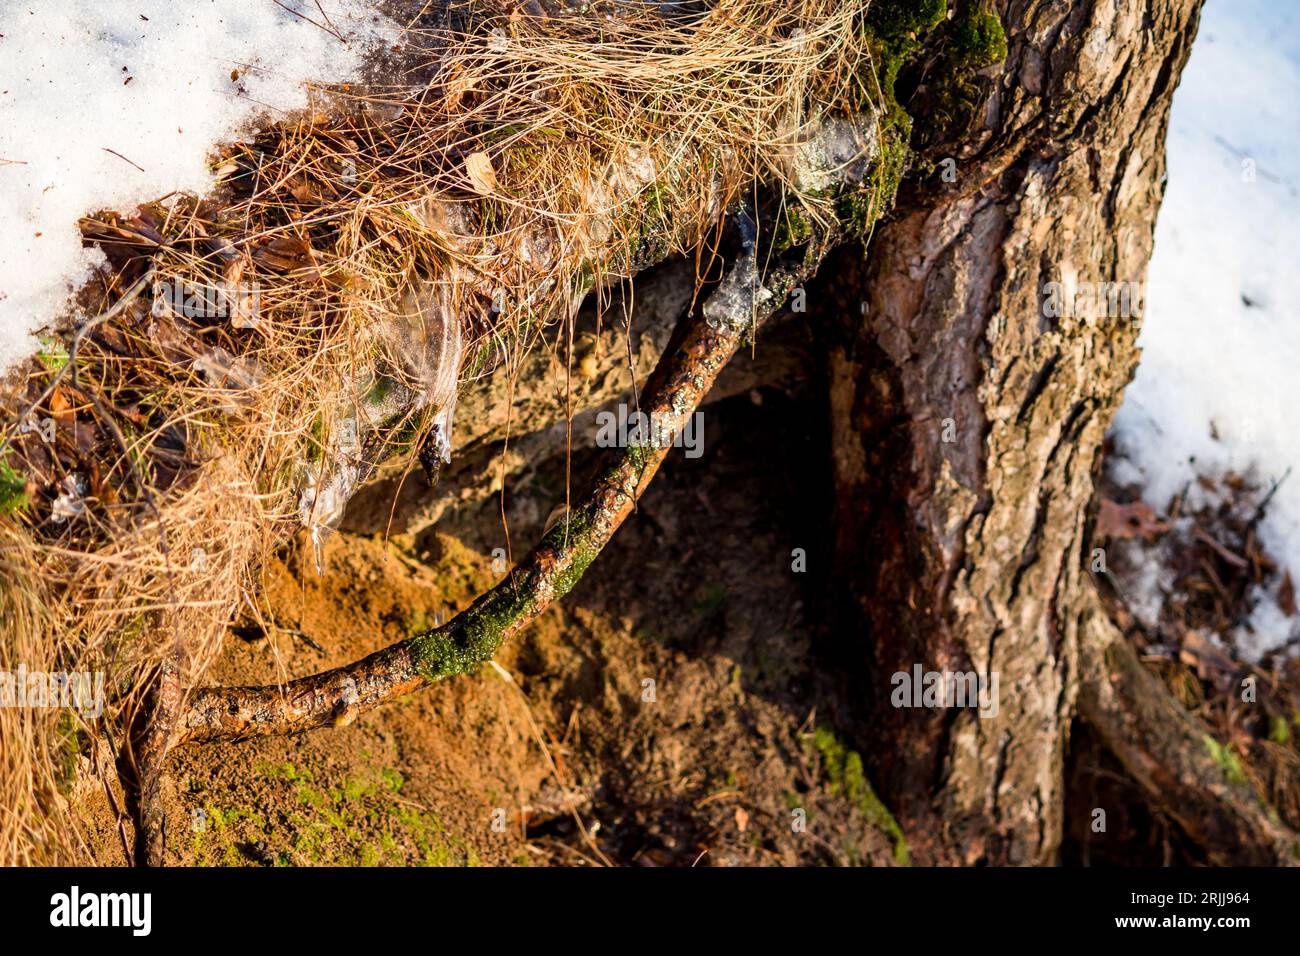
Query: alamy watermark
1111, 300
74, 908
83, 690
626, 428
935, 689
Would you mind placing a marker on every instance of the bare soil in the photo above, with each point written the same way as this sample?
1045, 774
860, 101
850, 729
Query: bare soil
672, 712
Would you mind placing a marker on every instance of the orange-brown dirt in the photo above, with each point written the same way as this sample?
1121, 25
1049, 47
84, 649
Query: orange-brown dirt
575, 758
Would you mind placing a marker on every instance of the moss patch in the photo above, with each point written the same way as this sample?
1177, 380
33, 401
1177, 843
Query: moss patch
52, 354
1226, 759
1279, 731
901, 17
846, 778
978, 39
360, 821
13, 489
974, 40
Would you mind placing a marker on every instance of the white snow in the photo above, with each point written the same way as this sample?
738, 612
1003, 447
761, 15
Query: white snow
1229, 232
91, 90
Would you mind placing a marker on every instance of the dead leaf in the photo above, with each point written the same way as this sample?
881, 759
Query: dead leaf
1135, 520
286, 253
742, 819
482, 177
304, 191
60, 407
1211, 662
458, 83
1286, 595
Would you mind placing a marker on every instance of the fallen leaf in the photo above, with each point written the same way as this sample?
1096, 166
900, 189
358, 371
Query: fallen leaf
286, 253
1211, 662
482, 178
1286, 595
1135, 520
458, 83
742, 819
304, 191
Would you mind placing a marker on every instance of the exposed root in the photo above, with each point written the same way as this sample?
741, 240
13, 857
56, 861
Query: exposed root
1171, 754
141, 762
684, 374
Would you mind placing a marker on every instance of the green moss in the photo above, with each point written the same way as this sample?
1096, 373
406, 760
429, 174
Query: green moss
438, 654
52, 354
897, 32
974, 39
894, 154
359, 822
1279, 731
316, 443
901, 32
895, 18
1227, 760
792, 229
847, 778
459, 648
476, 637
978, 39
13, 490
381, 386
573, 534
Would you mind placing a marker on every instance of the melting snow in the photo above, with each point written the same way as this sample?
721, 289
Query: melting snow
1218, 388
108, 104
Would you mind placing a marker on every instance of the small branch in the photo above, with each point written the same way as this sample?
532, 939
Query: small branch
686, 370
141, 762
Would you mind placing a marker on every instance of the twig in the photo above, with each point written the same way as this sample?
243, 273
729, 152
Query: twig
1258, 516
141, 762
123, 158
685, 372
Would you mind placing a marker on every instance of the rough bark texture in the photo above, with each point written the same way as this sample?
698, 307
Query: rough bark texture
968, 425
142, 759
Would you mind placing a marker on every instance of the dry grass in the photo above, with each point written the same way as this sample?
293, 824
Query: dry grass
535, 160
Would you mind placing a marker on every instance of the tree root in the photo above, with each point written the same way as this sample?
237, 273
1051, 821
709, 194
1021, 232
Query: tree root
141, 761
686, 370
1171, 754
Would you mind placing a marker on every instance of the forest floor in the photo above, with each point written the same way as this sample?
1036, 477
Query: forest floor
685, 704
671, 712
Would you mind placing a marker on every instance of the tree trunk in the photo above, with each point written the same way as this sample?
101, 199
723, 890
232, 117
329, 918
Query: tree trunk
968, 420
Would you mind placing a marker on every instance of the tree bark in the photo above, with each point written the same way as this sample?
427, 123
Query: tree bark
968, 423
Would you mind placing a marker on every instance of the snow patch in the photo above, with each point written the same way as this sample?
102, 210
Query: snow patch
1217, 388
109, 104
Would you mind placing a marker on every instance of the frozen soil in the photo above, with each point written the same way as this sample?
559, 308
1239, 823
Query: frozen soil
671, 712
